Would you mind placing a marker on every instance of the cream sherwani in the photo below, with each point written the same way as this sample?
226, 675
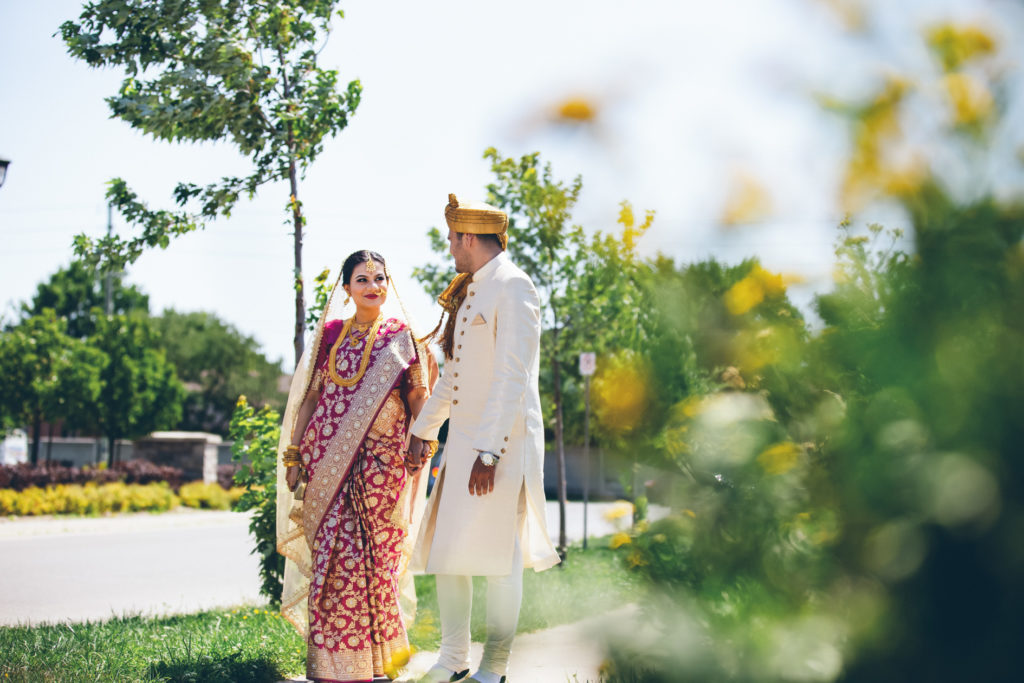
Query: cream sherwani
489, 392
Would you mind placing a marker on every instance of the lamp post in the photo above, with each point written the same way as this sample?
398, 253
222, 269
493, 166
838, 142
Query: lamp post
4, 163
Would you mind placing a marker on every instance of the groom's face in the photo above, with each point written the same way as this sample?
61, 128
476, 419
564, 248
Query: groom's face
459, 251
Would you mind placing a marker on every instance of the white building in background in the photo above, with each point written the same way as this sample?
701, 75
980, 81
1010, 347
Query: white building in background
14, 448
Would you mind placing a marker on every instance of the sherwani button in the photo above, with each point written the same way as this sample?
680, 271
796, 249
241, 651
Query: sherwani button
456, 401
502, 450
506, 438
457, 374
455, 388
463, 320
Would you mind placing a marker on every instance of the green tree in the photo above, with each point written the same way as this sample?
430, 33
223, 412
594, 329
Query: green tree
74, 292
245, 72
218, 364
49, 375
141, 391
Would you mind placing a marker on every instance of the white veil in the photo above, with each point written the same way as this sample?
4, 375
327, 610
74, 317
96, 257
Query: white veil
291, 538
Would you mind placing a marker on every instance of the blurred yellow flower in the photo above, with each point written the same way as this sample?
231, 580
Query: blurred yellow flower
399, 658
753, 289
692, 406
744, 295
876, 131
675, 440
631, 232
619, 539
747, 201
618, 510
780, 458
906, 179
690, 513
576, 110
636, 559
620, 393
970, 98
849, 12
955, 45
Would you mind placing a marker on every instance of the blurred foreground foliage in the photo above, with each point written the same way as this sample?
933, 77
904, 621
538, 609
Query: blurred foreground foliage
845, 504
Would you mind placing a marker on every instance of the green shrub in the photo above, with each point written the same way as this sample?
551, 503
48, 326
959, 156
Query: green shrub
254, 434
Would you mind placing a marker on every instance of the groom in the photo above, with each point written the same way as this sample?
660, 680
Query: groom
486, 515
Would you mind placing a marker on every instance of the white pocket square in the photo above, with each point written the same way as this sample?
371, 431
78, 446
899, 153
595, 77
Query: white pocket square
478, 320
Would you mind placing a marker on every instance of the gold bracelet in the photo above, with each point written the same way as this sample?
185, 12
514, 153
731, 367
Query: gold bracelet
433, 447
292, 464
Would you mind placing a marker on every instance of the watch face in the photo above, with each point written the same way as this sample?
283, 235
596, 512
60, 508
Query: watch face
487, 459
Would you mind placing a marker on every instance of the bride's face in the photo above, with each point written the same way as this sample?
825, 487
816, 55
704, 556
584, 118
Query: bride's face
368, 289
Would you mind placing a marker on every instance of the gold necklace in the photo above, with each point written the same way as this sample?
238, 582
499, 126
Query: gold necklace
332, 364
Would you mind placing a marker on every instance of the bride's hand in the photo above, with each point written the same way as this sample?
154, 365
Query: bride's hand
292, 477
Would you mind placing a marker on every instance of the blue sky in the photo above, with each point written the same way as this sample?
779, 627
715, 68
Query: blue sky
689, 94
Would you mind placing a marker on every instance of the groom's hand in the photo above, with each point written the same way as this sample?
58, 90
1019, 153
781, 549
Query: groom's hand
414, 455
481, 479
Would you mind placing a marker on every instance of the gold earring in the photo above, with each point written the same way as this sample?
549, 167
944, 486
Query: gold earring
347, 299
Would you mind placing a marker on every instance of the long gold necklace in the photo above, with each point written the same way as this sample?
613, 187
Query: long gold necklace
332, 364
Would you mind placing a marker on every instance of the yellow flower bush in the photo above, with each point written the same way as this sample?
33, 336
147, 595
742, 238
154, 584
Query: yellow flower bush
93, 499
204, 496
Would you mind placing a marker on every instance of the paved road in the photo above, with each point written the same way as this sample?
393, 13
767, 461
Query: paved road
179, 562
74, 570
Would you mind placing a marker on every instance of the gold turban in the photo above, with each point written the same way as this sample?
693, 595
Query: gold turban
476, 218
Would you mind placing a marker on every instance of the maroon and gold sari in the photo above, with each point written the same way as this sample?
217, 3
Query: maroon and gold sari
353, 513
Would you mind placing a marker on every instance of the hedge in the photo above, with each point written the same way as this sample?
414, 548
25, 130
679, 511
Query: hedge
96, 499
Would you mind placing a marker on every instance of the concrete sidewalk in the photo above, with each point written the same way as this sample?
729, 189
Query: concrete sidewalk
568, 653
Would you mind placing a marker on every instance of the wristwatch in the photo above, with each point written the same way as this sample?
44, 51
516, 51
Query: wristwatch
488, 459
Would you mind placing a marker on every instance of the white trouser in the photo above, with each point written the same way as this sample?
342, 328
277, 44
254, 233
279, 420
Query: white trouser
455, 602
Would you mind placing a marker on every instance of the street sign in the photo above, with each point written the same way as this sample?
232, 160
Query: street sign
588, 363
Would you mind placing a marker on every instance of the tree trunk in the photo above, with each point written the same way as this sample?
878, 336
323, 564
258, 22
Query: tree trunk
293, 181
37, 428
110, 451
556, 376
49, 445
300, 299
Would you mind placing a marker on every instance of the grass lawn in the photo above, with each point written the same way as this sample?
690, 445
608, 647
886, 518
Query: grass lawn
254, 644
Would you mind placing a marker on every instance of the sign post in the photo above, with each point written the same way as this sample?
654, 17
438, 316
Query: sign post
588, 363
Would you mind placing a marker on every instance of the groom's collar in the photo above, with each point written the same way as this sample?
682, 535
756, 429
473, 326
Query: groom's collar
487, 271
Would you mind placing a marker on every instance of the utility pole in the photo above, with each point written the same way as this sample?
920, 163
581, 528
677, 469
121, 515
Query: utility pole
588, 363
108, 284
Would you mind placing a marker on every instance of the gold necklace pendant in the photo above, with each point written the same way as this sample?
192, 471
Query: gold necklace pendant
332, 363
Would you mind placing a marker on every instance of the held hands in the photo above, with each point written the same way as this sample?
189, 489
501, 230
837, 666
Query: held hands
417, 454
481, 479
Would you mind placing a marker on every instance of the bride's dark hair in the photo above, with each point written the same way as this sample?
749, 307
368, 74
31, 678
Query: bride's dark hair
357, 257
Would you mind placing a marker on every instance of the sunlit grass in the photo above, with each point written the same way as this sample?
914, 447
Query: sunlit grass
244, 644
